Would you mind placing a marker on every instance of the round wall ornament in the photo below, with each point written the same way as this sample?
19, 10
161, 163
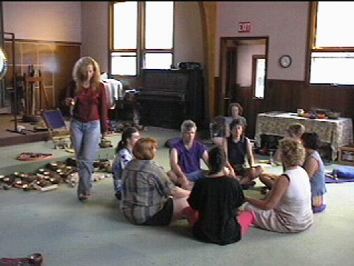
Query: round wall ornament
285, 61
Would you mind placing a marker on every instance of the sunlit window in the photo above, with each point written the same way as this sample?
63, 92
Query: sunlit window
159, 28
125, 25
260, 78
138, 44
158, 61
123, 63
332, 53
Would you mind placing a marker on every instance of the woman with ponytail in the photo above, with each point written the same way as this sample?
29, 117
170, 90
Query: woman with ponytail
124, 154
214, 203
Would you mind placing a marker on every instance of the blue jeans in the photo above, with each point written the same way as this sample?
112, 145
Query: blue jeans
85, 139
196, 175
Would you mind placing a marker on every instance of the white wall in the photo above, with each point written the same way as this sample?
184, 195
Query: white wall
284, 23
95, 32
47, 21
188, 33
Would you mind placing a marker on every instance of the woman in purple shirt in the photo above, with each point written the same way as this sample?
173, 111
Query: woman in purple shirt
185, 157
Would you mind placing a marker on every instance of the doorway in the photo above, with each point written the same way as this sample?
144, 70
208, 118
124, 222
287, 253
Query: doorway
243, 76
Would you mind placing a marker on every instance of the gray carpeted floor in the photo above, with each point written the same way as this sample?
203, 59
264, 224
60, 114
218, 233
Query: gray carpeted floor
68, 232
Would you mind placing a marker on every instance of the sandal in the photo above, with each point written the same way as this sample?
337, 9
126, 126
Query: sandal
83, 197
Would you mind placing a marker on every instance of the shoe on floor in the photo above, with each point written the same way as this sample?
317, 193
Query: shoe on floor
118, 195
83, 197
318, 209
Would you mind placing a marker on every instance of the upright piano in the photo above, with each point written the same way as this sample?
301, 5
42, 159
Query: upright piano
169, 96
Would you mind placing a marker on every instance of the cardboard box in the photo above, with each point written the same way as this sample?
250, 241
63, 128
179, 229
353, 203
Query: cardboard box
346, 155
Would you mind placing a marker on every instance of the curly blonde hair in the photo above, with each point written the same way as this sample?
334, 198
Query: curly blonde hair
292, 152
80, 75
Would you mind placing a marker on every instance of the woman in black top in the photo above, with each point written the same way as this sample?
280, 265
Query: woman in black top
215, 201
239, 148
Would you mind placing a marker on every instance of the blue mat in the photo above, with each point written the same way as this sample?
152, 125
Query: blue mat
341, 174
331, 179
338, 180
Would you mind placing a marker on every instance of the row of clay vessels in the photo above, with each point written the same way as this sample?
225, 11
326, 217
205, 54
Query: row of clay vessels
50, 177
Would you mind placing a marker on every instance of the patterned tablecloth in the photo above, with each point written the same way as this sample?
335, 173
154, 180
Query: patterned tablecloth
336, 132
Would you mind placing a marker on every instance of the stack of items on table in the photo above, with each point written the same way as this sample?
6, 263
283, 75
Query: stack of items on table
48, 178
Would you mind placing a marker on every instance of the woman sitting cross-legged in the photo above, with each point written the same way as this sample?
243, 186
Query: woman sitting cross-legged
214, 203
287, 206
238, 149
148, 195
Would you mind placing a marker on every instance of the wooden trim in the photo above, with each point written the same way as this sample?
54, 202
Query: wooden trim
110, 36
310, 33
46, 42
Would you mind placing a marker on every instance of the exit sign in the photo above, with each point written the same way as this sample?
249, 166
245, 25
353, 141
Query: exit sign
244, 27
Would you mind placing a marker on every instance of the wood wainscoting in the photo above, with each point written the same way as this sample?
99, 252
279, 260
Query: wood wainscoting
54, 59
289, 95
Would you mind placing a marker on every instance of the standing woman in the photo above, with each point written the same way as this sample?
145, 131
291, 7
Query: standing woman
89, 115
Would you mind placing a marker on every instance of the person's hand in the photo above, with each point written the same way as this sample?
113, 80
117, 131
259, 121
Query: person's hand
70, 101
257, 171
229, 171
187, 185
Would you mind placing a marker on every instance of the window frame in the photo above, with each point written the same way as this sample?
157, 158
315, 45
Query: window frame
255, 60
312, 49
140, 51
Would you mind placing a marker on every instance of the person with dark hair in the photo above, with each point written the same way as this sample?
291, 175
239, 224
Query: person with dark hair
217, 129
238, 149
89, 119
235, 112
315, 168
124, 154
214, 203
148, 195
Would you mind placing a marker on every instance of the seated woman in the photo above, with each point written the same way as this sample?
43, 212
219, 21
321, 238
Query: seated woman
124, 154
148, 195
214, 202
287, 207
315, 169
217, 130
235, 112
294, 131
238, 148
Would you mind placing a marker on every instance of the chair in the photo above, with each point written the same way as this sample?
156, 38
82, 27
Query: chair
57, 128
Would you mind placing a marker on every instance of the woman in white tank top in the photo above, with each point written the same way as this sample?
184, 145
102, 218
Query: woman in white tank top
287, 207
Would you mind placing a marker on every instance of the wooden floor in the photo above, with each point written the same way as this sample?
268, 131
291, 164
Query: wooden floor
9, 135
